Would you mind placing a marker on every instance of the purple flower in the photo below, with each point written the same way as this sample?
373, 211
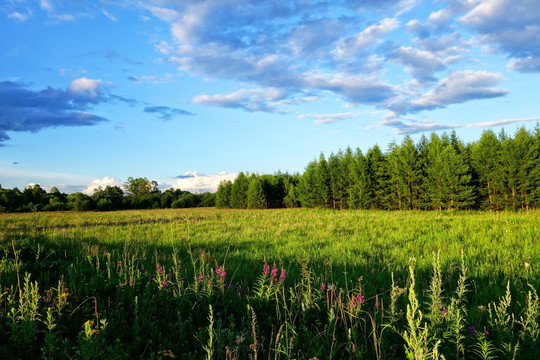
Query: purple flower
486, 332
160, 269
273, 274
223, 274
164, 285
322, 287
120, 263
444, 312
142, 268
200, 278
169, 274
266, 269
472, 329
218, 271
282, 276
210, 283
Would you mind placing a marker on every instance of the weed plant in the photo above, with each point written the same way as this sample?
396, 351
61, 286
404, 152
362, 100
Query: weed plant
281, 284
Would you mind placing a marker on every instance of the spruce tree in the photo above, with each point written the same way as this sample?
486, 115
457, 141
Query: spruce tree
239, 192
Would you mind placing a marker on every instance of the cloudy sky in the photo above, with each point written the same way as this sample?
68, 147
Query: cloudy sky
190, 92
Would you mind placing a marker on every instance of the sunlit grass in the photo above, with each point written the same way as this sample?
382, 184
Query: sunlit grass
113, 260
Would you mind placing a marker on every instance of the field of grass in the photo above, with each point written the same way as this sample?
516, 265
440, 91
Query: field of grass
298, 284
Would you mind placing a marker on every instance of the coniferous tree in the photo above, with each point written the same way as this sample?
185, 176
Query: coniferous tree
323, 193
306, 186
378, 178
255, 194
360, 186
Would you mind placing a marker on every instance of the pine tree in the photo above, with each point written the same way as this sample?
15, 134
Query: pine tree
323, 193
239, 192
255, 194
306, 186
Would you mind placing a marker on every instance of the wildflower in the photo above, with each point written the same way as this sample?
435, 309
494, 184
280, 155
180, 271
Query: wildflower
322, 287
472, 329
266, 269
282, 276
273, 274
160, 269
223, 274
164, 284
131, 282
210, 283
486, 332
444, 312
218, 271
526, 265
89, 323
200, 278
120, 263
143, 269
64, 294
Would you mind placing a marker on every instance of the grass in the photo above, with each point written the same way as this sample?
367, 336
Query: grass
358, 284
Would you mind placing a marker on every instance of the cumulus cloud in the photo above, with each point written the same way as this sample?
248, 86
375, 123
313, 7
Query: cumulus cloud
414, 127
165, 112
247, 99
458, 87
27, 110
85, 85
321, 119
194, 182
511, 25
102, 183
351, 46
422, 65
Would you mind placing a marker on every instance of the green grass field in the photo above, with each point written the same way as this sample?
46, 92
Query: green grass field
152, 284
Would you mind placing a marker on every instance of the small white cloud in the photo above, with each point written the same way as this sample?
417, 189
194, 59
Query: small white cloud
321, 119
45, 5
194, 182
110, 16
20, 17
82, 85
102, 183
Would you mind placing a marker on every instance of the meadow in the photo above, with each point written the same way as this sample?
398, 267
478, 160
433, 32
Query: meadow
270, 284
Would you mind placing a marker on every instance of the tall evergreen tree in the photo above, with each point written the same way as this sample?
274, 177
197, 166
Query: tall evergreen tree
239, 192
323, 192
306, 186
255, 194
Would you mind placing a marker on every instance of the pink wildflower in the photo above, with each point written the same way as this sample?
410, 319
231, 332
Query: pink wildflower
282, 276
322, 286
273, 274
266, 269
200, 278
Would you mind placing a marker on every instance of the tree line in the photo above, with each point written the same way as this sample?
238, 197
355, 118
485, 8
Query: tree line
496, 172
137, 193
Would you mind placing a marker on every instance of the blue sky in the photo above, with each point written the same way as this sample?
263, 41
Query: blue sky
190, 92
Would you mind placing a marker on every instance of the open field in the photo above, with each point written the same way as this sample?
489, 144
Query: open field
193, 284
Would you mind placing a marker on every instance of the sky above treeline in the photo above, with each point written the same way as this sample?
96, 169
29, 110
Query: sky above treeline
190, 92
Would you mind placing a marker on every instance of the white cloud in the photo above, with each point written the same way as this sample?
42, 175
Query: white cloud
321, 119
248, 99
45, 5
350, 46
458, 87
85, 85
194, 182
102, 183
20, 17
164, 13
109, 15
528, 64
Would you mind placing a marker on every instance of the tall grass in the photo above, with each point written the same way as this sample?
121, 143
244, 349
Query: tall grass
274, 284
